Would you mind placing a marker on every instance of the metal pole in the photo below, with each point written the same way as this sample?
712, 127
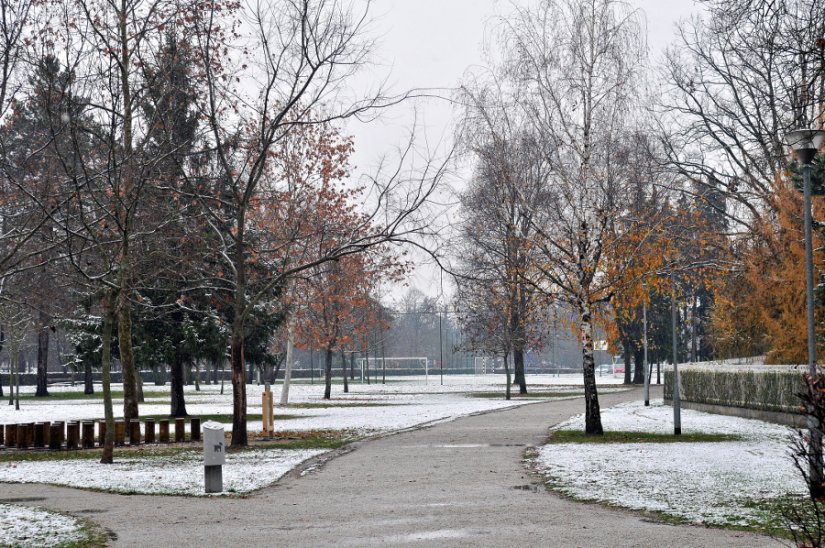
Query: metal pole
441, 347
815, 449
646, 366
677, 402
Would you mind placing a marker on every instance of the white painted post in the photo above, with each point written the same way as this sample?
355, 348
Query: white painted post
214, 456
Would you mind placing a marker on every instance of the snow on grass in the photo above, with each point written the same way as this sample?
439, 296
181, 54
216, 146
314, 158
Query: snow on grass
393, 406
180, 474
710, 482
33, 527
365, 410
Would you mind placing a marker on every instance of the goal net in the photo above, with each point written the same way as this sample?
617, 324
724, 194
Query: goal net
394, 367
487, 365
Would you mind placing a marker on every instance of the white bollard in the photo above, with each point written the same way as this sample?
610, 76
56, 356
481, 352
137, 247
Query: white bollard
214, 456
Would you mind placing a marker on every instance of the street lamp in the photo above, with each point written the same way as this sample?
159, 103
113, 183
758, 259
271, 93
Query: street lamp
805, 143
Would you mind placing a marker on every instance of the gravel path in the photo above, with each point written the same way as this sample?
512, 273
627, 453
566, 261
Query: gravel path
460, 483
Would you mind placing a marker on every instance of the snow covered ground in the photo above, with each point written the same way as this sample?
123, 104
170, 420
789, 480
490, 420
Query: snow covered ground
400, 404
365, 410
181, 474
710, 482
32, 527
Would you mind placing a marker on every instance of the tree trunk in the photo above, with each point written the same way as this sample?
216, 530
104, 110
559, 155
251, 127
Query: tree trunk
17, 382
639, 366
288, 369
328, 374
43, 355
507, 372
592, 416
88, 380
197, 376
160, 374
124, 339
518, 367
239, 436
629, 349
344, 371
178, 402
106, 381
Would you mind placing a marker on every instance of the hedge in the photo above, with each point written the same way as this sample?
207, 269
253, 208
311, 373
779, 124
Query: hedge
762, 390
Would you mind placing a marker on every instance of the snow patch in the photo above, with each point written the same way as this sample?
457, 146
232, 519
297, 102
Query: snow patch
25, 526
709, 482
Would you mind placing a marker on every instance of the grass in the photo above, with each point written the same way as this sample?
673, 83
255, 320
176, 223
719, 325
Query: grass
577, 436
528, 396
336, 405
311, 439
93, 535
79, 395
225, 418
768, 521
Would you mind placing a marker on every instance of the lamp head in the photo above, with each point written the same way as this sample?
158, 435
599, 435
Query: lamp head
806, 143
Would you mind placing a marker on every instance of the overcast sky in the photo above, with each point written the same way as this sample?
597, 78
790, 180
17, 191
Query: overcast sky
431, 44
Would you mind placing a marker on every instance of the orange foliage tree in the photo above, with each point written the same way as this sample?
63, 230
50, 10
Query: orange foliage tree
761, 307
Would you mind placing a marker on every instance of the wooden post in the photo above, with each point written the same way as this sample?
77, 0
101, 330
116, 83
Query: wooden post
88, 434
180, 430
46, 427
195, 429
120, 433
268, 413
134, 433
24, 434
149, 431
101, 433
38, 441
11, 435
72, 435
55, 435
164, 431
60, 431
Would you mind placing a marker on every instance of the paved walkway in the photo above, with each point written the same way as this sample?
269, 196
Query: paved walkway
460, 483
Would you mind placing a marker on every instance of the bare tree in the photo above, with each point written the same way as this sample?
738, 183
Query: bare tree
580, 64
297, 67
498, 233
737, 80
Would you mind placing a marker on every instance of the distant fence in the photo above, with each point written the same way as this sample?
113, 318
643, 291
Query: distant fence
753, 392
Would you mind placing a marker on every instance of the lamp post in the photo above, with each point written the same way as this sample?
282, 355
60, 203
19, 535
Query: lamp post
805, 143
677, 397
644, 361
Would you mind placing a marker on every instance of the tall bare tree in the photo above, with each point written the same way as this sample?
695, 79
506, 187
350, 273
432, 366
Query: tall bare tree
580, 64
293, 73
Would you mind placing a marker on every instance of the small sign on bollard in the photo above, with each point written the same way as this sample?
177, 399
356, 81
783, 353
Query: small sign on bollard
214, 456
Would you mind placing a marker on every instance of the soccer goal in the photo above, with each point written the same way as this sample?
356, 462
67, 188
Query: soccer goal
487, 365
395, 367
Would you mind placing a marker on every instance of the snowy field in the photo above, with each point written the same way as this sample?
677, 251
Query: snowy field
703, 482
32, 527
180, 474
365, 410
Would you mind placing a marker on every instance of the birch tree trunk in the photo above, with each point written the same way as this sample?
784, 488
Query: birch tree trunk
593, 419
288, 369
